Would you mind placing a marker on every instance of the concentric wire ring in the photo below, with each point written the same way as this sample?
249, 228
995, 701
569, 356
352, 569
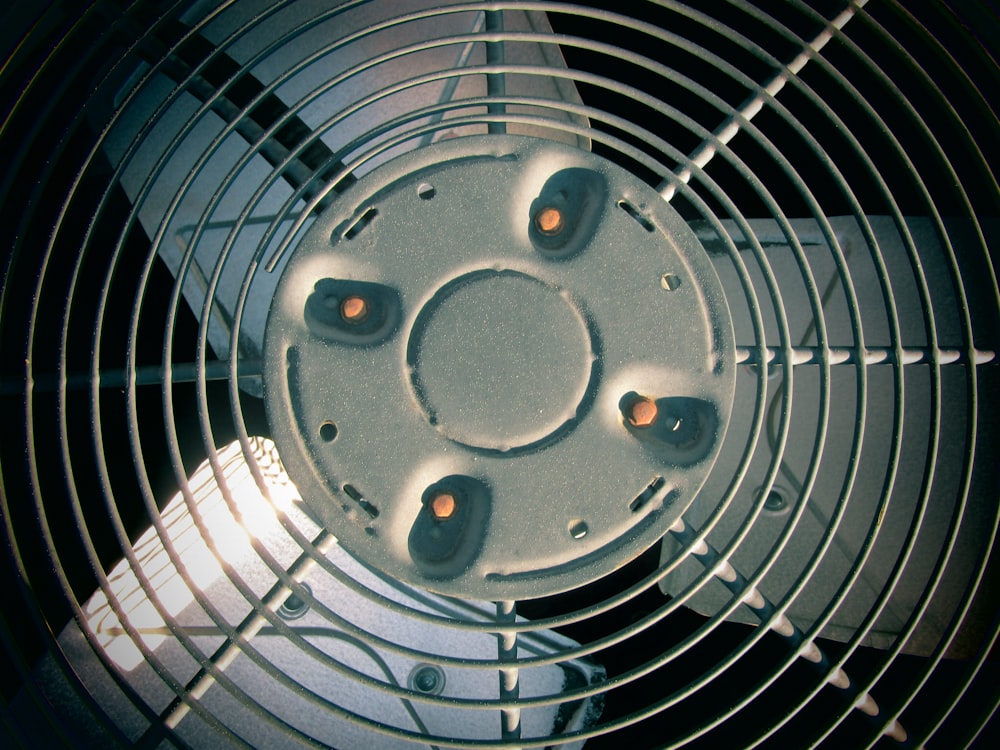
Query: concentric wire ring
835, 163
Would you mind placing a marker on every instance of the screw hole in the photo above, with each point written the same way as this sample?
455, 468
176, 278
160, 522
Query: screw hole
427, 678
328, 431
294, 606
578, 529
670, 281
775, 502
426, 191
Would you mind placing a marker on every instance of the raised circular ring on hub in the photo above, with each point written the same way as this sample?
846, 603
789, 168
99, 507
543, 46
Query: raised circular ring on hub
500, 361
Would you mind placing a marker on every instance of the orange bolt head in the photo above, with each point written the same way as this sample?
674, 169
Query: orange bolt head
549, 220
642, 412
354, 309
443, 506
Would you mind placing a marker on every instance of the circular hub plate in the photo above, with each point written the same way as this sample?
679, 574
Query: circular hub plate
498, 367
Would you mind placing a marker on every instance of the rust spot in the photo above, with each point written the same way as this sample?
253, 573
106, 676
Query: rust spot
642, 412
549, 220
443, 506
354, 309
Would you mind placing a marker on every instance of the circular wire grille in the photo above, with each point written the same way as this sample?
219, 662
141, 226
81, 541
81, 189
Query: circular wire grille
832, 583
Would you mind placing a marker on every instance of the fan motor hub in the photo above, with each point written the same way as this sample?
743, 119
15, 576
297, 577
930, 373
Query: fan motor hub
477, 377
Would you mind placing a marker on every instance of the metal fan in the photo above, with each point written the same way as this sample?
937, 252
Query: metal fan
524, 374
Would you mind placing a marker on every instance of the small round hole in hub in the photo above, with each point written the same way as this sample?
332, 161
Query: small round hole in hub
426, 191
328, 431
578, 529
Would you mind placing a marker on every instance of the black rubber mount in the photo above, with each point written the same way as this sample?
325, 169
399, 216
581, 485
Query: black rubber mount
520, 297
